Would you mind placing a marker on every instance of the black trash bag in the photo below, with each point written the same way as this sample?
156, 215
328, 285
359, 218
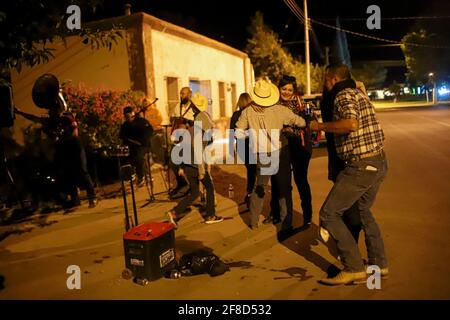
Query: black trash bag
201, 262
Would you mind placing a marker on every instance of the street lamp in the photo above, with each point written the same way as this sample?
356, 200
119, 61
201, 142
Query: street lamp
431, 79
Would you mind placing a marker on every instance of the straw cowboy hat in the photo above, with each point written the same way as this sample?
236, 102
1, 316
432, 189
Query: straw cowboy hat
264, 93
199, 101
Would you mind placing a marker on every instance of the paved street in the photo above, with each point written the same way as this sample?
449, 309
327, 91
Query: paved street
412, 209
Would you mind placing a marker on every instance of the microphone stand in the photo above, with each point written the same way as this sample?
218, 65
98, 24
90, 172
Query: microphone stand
148, 174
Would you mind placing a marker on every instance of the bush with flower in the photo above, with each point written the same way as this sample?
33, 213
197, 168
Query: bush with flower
99, 113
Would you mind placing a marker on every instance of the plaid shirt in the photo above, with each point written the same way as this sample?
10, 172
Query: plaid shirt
352, 104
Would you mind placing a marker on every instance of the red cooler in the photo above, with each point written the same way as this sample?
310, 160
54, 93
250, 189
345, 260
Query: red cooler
150, 250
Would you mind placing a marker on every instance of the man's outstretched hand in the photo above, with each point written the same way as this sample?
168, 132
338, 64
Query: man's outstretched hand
314, 125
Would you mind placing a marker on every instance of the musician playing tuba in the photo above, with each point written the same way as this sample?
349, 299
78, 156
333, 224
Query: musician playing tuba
61, 126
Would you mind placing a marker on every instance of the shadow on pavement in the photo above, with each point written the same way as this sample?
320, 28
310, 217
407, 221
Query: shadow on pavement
302, 243
184, 246
293, 273
18, 221
222, 180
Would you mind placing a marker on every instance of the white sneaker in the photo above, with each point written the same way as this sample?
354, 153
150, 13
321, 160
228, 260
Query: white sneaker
213, 219
171, 217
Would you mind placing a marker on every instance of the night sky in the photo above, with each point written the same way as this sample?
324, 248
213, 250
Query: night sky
227, 21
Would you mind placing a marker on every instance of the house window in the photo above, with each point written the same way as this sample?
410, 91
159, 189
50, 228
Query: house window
222, 99
204, 88
233, 96
172, 94
194, 85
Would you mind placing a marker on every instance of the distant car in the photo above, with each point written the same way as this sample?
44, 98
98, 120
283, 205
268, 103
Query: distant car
314, 101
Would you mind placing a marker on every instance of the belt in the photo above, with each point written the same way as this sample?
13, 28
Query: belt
366, 155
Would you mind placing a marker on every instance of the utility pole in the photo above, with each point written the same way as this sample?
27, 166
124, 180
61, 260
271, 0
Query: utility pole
308, 69
327, 56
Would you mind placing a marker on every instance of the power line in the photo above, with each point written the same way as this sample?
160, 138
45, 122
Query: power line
377, 38
293, 6
295, 10
390, 18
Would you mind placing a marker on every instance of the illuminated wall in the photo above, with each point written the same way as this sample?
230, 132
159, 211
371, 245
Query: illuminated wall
176, 57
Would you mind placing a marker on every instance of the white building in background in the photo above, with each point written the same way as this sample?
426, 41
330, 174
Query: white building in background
155, 57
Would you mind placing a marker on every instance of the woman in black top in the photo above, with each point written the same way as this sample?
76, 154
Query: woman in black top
300, 150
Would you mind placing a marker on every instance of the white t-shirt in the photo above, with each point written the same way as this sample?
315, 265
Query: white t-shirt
188, 115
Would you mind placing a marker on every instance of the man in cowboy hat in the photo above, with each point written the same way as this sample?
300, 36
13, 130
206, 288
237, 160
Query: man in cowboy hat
264, 119
193, 167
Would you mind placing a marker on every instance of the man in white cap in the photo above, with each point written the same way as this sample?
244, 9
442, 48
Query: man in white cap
195, 169
264, 119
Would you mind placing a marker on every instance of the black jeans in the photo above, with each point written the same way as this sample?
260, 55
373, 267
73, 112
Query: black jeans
181, 181
300, 163
191, 174
246, 157
282, 184
137, 160
251, 177
70, 159
299, 160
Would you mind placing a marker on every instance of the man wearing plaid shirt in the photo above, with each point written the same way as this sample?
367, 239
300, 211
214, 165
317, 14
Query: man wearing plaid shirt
359, 142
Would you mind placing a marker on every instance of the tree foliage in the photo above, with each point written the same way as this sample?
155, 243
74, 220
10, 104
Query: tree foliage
271, 60
432, 57
28, 27
372, 76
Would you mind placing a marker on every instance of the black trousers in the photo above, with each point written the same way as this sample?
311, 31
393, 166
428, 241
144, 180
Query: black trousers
300, 158
251, 168
137, 160
70, 159
191, 174
251, 177
181, 181
281, 188
299, 161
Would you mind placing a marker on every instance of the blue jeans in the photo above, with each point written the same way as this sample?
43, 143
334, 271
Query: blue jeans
357, 183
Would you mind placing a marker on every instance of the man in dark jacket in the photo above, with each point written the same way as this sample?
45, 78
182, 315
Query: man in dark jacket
359, 141
335, 165
136, 133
